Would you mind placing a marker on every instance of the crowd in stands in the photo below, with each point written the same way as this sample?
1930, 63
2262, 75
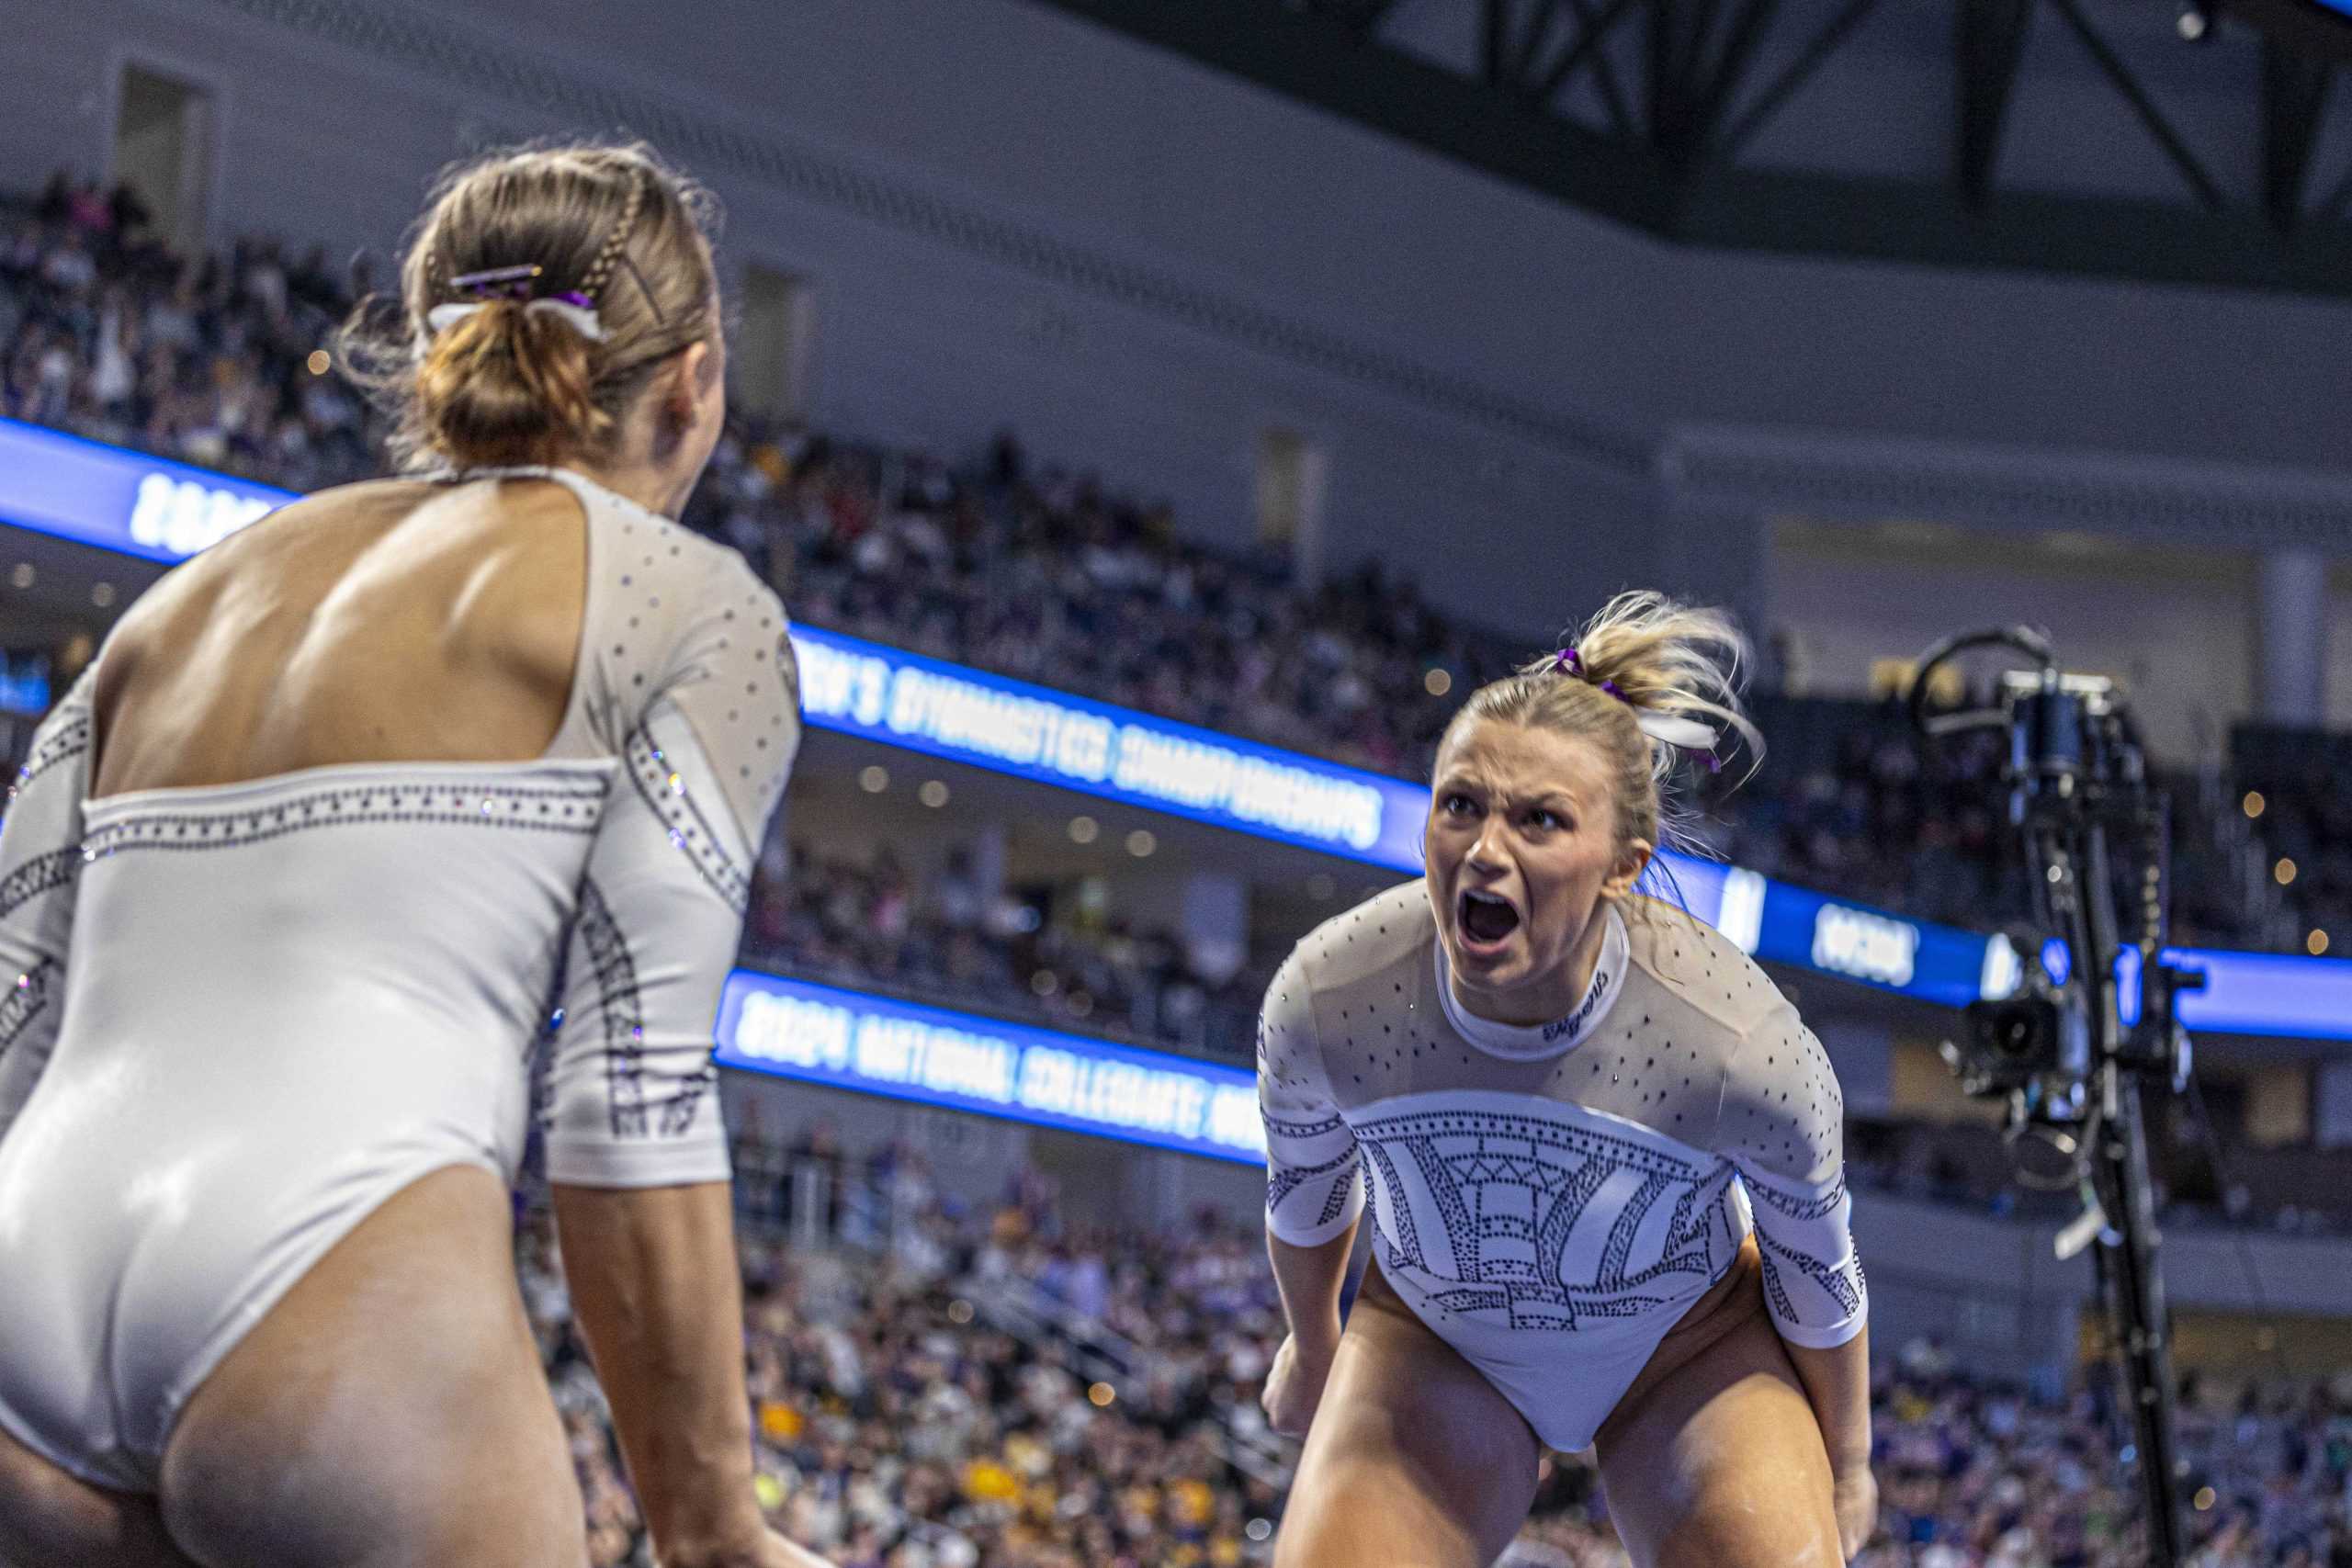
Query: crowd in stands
2294, 796
1036, 572
995, 561
1851, 801
899, 1426
869, 922
902, 1426
1971, 1164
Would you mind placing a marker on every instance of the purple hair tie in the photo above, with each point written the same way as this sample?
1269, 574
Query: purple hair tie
1567, 661
514, 281
1672, 728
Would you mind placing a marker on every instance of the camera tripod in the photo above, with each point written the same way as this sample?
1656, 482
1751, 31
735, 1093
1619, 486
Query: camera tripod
2093, 1022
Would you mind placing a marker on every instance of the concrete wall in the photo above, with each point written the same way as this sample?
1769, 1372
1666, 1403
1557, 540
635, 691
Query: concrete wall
2176, 628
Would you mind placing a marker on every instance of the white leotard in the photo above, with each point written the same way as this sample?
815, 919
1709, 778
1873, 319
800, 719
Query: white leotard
1551, 1199
245, 1015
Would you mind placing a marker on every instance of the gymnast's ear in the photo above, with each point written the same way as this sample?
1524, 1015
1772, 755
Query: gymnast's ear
1631, 861
691, 407
688, 382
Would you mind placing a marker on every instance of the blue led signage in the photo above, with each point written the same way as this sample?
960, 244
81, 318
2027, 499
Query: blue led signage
825, 1035
163, 511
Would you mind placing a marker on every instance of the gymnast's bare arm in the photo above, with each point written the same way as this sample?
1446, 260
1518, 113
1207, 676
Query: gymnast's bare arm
1309, 1279
656, 1291
1838, 1382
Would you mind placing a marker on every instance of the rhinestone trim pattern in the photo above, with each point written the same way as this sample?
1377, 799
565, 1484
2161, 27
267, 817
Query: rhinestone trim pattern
42, 873
25, 1001
619, 1011
528, 809
69, 740
664, 789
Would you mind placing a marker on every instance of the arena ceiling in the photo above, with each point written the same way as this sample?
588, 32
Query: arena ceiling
2090, 137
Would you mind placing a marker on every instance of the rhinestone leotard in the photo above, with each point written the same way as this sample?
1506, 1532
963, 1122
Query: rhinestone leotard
1551, 1199
242, 1016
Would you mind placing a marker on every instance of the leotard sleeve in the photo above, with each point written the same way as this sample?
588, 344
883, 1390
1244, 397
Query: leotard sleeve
40, 865
1313, 1185
704, 757
1782, 1127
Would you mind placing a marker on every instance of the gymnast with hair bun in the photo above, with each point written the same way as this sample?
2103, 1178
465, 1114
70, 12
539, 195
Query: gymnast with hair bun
1603, 1155
290, 887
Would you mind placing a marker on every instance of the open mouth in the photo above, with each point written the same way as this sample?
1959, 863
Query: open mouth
1486, 918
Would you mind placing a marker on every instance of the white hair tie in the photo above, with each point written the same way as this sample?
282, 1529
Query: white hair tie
1676, 731
581, 318
1673, 728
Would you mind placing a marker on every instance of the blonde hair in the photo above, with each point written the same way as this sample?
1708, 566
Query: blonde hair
503, 385
1643, 653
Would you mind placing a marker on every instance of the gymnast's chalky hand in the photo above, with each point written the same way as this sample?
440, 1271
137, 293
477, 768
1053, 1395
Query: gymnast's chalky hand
1293, 1388
1855, 1497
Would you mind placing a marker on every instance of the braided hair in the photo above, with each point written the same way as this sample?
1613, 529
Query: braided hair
506, 384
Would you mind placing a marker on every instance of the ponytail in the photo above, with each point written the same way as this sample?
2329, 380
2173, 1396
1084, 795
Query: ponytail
1654, 683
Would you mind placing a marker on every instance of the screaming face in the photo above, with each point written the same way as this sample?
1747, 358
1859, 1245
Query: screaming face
1522, 850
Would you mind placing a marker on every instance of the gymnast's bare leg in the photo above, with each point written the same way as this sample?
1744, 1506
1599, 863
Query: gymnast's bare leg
57, 1518
1714, 1458
1413, 1457
389, 1411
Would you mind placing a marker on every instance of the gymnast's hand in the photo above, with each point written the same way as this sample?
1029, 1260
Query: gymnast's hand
767, 1550
1293, 1388
1854, 1494
777, 1552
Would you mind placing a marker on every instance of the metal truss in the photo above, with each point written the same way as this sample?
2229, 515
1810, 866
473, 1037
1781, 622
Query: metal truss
1648, 111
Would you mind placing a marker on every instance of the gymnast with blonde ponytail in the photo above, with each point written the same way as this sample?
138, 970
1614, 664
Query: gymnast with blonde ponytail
1603, 1157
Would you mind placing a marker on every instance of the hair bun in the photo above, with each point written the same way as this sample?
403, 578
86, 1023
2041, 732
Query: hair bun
1648, 682
523, 380
505, 386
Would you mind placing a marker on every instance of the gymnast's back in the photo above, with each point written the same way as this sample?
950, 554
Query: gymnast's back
360, 825
359, 821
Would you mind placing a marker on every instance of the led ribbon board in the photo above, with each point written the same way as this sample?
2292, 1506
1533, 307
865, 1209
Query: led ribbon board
1034, 732
164, 511
876, 1045
120, 501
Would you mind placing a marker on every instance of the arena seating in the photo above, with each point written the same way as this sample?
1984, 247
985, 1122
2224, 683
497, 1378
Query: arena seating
1045, 573
934, 1391
951, 1380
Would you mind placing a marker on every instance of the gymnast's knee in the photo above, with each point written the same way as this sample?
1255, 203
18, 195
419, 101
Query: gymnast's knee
1754, 1519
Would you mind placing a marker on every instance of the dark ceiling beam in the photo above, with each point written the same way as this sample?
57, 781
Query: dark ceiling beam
2337, 205
1594, 29
1593, 26
1747, 32
2294, 95
1988, 45
1494, 41
1658, 70
1684, 139
2207, 188
1534, 33
1363, 16
1798, 71
1315, 60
